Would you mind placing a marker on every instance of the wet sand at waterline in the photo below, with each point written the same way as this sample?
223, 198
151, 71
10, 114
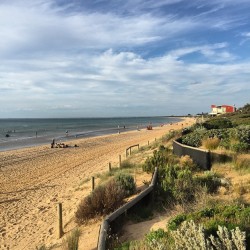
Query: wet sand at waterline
34, 180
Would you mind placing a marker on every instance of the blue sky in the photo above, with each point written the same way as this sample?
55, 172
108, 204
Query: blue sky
97, 58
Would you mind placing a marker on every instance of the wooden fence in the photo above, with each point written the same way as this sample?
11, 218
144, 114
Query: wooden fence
128, 150
111, 222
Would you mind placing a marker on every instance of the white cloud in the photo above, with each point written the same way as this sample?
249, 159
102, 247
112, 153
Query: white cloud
92, 63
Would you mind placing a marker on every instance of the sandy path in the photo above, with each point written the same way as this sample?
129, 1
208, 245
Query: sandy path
34, 180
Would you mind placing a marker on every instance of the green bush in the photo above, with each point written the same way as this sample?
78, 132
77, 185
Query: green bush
217, 123
193, 139
209, 179
230, 216
159, 159
240, 147
177, 184
157, 239
194, 236
126, 182
174, 223
243, 133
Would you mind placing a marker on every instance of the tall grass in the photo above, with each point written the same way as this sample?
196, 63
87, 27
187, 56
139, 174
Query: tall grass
211, 143
72, 241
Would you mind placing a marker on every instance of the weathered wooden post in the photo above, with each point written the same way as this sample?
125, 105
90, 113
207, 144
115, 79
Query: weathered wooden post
60, 223
109, 166
120, 161
93, 183
138, 146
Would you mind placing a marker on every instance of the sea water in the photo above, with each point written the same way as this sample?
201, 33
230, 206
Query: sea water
18, 133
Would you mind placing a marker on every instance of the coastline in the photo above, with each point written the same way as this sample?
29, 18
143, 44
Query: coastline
14, 144
33, 181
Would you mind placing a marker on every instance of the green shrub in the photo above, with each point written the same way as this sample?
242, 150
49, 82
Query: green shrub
193, 139
230, 216
194, 236
209, 179
225, 143
217, 123
174, 223
243, 134
126, 182
157, 239
159, 159
178, 184
240, 147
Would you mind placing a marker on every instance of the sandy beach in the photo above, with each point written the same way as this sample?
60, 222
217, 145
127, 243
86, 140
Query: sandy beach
34, 180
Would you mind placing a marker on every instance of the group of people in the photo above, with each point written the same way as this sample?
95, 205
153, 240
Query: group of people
60, 145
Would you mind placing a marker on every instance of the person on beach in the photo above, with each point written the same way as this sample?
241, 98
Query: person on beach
53, 143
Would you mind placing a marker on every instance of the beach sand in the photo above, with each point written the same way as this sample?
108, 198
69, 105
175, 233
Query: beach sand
34, 180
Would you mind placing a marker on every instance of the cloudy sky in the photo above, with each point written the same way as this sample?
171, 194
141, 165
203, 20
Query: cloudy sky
98, 58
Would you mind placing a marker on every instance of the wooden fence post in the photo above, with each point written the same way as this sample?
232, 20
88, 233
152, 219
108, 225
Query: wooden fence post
138, 146
109, 166
120, 161
93, 183
60, 223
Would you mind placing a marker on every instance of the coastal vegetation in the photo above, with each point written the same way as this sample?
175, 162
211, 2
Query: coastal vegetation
207, 221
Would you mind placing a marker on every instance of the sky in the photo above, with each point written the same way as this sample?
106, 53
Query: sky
118, 58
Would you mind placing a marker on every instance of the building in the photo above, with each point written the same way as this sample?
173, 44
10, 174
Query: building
223, 109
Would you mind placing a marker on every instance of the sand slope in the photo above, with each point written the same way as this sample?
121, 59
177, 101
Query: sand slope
34, 180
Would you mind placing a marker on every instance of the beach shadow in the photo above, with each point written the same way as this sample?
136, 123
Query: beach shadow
29, 189
11, 200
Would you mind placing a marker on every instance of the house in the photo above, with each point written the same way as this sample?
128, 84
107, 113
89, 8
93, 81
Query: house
223, 109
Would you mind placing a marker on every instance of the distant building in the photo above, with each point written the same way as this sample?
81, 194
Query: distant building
223, 109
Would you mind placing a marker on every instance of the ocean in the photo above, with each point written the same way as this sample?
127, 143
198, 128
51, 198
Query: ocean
19, 133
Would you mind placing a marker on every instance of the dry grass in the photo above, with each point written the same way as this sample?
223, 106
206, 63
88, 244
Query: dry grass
242, 163
211, 143
187, 162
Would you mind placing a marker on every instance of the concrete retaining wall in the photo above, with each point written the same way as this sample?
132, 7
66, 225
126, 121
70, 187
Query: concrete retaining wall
201, 157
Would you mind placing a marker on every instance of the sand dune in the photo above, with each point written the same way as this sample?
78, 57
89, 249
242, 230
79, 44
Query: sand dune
34, 180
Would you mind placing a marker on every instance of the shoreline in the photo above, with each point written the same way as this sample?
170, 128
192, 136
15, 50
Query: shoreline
20, 143
34, 180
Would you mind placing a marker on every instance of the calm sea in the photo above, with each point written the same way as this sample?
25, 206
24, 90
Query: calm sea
18, 133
